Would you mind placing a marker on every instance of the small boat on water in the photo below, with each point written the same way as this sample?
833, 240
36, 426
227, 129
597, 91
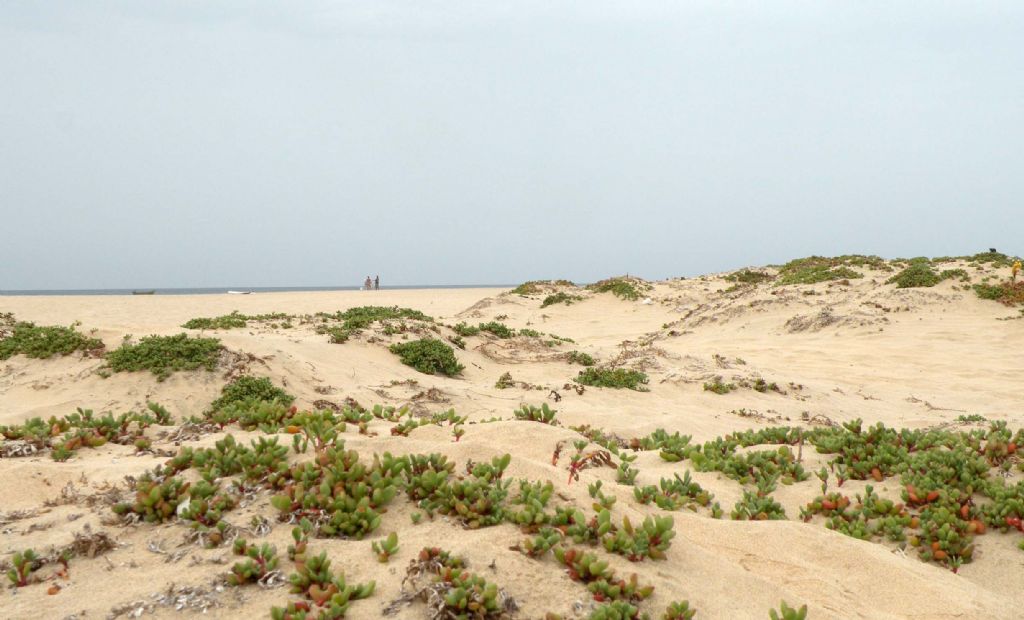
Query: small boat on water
239, 292
143, 292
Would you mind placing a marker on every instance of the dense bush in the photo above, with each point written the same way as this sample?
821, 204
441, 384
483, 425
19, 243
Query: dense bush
47, 341
617, 378
163, 355
428, 356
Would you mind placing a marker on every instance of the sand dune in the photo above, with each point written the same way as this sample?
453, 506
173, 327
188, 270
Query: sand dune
915, 358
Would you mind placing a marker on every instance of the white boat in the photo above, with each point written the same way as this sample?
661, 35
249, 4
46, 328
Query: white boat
239, 292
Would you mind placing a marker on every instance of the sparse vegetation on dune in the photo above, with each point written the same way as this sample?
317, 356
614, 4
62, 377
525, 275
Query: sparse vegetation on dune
586, 493
428, 356
235, 320
919, 273
616, 378
41, 342
356, 319
536, 287
560, 298
749, 276
623, 287
163, 355
815, 269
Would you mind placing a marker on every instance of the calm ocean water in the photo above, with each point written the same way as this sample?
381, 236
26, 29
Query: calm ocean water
223, 290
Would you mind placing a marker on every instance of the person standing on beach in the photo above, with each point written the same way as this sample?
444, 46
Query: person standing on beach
376, 283
368, 284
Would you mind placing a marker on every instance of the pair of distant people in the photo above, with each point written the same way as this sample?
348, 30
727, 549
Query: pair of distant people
372, 285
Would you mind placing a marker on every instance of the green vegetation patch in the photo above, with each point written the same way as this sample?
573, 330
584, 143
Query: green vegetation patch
919, 273
749, 276
616, 378
163, 355
428, 356
560, 297
235, 320
581, 358
361, 317
816, 269
625, 288
41, 342
1008, 293
251, 389
536, 287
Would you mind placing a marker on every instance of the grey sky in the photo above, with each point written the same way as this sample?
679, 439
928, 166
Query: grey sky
203, 143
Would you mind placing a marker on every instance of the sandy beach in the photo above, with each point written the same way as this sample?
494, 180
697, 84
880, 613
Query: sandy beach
836, 351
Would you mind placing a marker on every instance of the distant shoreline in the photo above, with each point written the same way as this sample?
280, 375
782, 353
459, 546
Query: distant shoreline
225, 289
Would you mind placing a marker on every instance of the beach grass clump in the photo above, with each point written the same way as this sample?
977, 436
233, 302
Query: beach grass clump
163, 355
429, 356
749, 276
1008, 293
815, 269
624, 287
247, 389
560, 297
42, 342
616, 378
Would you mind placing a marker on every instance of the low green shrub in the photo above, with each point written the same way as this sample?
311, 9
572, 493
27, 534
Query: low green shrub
428, 356
749, 276
625, 288
235, 320
916, 275
613, 378
1008, 293
816, 269
248, 388
718, 386
163, 355
560, 297
43, 342
578, 357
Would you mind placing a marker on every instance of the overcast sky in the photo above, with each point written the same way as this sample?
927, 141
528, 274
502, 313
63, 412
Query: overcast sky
204, 143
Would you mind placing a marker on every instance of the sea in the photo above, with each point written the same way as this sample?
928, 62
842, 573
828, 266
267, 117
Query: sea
224, 290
